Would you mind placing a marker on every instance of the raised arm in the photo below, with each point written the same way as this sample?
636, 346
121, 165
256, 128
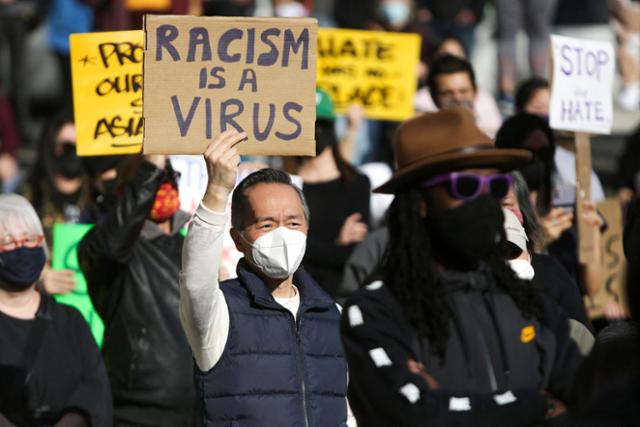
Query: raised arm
203, 309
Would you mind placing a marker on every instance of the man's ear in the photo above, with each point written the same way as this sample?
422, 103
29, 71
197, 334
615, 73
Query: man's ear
235, 236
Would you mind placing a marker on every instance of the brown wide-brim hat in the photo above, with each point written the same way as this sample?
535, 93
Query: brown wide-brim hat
445, 141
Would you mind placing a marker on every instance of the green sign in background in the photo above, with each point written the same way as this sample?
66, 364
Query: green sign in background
65, 257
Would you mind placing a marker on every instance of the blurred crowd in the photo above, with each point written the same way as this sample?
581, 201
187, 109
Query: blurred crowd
132, 258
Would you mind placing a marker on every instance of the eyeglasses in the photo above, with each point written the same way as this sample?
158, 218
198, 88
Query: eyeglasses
467, 186
10, 243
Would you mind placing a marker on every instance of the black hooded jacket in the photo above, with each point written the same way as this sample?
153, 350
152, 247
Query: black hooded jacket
497, 365
132, 270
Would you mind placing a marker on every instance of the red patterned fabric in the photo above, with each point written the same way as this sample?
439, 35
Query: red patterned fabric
166, 204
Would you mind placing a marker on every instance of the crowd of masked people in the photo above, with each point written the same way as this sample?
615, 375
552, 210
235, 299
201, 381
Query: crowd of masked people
423, 273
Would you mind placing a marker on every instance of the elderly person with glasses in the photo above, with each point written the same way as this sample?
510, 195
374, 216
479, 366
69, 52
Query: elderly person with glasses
51, 372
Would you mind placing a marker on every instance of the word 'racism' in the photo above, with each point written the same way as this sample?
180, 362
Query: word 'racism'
270, 47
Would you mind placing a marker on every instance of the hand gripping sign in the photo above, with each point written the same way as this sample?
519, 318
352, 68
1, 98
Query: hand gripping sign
204, 75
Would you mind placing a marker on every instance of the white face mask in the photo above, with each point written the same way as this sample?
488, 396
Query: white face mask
290, 10
523, 268
396, 13
278, 253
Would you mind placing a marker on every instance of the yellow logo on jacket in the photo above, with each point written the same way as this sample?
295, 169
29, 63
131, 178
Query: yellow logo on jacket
527, 334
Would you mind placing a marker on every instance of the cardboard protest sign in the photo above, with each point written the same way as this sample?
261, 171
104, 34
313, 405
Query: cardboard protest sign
65, 243
375, 69
106, 70
582, 82
614, 263
204, 75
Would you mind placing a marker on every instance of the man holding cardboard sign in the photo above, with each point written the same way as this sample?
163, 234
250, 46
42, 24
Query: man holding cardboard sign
266, 345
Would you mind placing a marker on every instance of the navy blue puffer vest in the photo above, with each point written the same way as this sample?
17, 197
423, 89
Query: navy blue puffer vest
276, 371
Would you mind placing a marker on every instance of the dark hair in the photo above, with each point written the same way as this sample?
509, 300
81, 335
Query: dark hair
42, 171
450, 37
527, 89
347, 171
515, 132
531, 225
408, 270
447, 64
240, 204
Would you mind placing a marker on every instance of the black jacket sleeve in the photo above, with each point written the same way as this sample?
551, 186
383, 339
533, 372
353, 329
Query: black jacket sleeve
382, 390
554, 279
109, 245
567, 356
92, 396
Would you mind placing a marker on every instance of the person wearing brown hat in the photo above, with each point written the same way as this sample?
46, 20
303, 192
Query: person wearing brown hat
448, 335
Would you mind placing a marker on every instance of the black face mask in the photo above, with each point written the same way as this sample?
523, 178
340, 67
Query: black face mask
21, 267
462, 236
68, 164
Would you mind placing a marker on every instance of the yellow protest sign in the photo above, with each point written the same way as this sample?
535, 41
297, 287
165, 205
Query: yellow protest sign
107, 92
375, 69
148, 5
204, 75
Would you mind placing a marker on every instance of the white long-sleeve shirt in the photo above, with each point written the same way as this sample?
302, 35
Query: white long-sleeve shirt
204, 313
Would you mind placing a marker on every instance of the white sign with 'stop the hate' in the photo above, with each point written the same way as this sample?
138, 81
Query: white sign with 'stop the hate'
582, 85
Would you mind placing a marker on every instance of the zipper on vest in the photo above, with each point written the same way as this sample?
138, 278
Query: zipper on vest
303, 386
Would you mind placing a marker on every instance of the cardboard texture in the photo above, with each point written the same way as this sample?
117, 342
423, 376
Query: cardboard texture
204, 75
65, 257
586, 253
375, 69
106, 70
614, 262
582, 84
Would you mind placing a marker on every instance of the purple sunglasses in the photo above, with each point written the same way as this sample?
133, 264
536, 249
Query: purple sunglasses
467, 186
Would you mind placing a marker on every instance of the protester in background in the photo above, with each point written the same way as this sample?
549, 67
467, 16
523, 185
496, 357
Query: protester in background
105, 189
227, 7
57, 186
289, 9
608, 385
338, 199
9, 144
65, 18
266, 345
554, 196
627, 26
17, 19
628, 179
452, 82
51, 372
547, 272
117, 15
533, 96
450, 335
447, 18
535, 18
131, 260
58, 190
355, 14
